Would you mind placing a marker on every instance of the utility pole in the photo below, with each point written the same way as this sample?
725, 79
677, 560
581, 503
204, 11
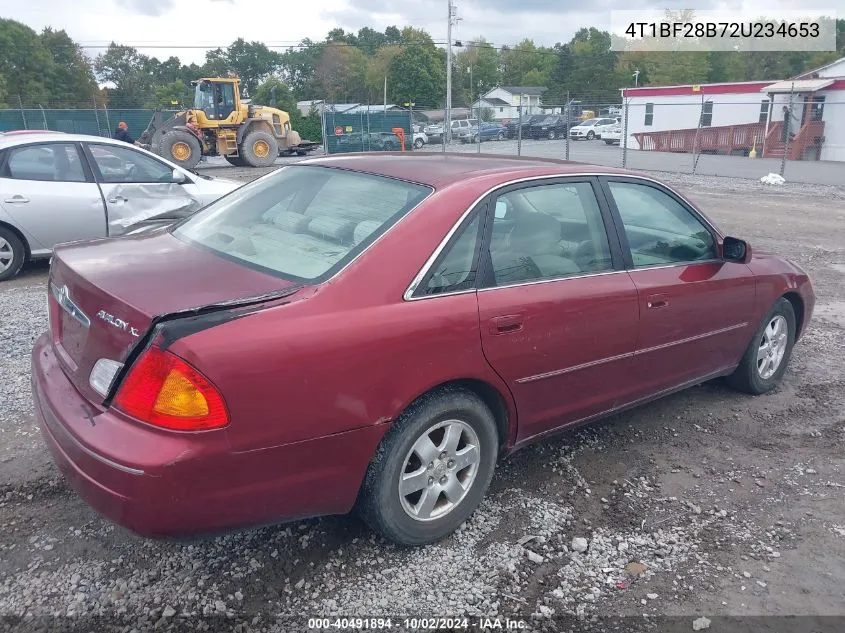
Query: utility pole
448, 119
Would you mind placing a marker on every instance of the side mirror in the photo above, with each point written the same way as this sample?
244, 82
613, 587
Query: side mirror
178, 177
736, 250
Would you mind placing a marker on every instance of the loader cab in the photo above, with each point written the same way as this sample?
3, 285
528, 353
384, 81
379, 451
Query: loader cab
218, 99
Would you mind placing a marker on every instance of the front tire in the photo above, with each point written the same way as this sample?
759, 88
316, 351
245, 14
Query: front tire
259, 148
768, 354
591, 135
431, 469
181, 147
552, 135
418, 144
12, 254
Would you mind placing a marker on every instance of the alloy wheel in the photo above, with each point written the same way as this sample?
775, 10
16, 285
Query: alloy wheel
439, 470
772, 347
7, 255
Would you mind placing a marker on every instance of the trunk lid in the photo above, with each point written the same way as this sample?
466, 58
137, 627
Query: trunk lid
104, 295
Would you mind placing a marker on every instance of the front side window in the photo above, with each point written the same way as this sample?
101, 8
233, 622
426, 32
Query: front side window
659, 229
51, 162
546, 232
125, 166
303, 222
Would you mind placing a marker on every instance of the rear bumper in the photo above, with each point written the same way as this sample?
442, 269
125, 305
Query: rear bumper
161, 484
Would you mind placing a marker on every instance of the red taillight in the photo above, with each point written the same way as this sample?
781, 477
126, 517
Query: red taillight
163, 390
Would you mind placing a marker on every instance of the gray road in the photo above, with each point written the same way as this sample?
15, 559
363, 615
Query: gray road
708, 502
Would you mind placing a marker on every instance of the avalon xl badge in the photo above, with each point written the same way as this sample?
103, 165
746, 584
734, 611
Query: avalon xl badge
120, 324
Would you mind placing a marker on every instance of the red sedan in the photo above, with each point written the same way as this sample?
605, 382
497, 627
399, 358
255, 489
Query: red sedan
374, 332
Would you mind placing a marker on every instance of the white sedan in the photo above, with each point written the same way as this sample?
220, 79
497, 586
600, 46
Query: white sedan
592, 128
57, 187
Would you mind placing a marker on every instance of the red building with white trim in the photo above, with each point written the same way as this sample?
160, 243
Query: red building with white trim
738, 117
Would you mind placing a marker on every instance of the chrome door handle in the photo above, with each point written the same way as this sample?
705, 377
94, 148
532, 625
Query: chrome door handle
117, 199
16, 200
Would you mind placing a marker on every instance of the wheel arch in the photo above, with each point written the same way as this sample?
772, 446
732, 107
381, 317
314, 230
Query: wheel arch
503, 414
798, 307
19, 234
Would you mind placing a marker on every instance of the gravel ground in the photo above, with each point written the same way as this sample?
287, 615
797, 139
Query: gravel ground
708, 503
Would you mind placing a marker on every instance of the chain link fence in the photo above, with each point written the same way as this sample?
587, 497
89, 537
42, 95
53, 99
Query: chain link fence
799, 136
724, 135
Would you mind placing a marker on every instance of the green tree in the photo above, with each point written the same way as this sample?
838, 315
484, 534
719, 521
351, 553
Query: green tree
526, 56
174, 94
71, 77
298, 65
27, 64
378, 68
417, 72
4, 95
370, 40
478, 63
252, 62
592, 74
340, 73
127, 69
276, 93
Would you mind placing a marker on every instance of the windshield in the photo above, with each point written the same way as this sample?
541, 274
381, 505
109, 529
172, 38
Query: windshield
302, 222
203, 99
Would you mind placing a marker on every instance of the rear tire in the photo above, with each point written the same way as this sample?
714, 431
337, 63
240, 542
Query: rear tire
418, 144
259, 148
768, 354
552, 135
463, 466
12, 254
182, 148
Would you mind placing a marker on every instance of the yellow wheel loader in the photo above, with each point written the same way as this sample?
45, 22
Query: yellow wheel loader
220, 123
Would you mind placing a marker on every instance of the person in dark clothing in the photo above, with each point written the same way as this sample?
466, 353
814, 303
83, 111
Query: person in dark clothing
122, 133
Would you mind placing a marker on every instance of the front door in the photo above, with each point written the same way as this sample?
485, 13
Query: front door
558, 313
49, 193
137, 187
695, 308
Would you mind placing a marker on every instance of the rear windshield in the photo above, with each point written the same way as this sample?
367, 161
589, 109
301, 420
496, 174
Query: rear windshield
302, 222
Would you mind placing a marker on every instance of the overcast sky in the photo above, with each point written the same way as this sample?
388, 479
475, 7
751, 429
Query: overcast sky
156, 26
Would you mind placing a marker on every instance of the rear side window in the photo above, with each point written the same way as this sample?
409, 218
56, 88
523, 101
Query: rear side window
50, 162
303, 222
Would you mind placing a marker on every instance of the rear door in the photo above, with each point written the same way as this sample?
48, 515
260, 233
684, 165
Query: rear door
696, 309
47, 191
137, 187
558, 313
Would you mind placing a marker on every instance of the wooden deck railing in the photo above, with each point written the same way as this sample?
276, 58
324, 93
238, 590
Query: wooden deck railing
722, 139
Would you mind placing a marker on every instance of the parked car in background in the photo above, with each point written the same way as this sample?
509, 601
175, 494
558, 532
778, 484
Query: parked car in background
550, 127
177, 383
613, 134
591, 128
513, 127
368, 142
57, 187
420, 137
484, 132
435, 132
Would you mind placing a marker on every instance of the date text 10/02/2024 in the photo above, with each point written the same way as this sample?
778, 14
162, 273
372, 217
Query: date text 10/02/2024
418, 624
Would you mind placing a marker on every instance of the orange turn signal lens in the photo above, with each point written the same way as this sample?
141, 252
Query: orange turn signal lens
163, 390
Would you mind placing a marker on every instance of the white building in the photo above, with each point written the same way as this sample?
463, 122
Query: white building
735, 117
504, 101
